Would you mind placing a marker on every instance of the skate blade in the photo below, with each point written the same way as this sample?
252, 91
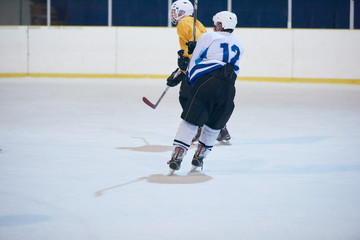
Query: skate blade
171, 172
225, 142
193, 168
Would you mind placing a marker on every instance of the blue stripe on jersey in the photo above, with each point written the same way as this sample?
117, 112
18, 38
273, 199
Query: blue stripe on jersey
202, 69
202, 56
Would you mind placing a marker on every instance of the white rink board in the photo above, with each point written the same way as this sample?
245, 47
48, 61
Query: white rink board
267, 52
72, 50
326, 54
282, 53
13, 50
146, 50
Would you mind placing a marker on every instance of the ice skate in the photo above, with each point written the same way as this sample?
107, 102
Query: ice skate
176, 159
198, 158
224, 136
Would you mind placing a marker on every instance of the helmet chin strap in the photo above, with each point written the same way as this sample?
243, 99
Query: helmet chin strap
175, 18
179, 18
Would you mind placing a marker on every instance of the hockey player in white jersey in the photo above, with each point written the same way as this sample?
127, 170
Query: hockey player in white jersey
212, 72
181, 15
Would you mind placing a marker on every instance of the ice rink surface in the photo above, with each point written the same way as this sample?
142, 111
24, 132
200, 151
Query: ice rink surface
85, 159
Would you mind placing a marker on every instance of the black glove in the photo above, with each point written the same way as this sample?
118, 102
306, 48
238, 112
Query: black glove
183, 62
191, 46
175, 78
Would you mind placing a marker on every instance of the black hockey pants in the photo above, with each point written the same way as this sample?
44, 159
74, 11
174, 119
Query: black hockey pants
211, 99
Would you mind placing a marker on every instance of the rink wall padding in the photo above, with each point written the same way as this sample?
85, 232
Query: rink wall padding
285, 55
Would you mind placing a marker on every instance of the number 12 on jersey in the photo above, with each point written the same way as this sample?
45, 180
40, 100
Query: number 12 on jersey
235, 49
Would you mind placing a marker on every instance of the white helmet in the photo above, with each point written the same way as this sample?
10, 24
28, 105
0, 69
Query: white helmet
226, 18
181, 9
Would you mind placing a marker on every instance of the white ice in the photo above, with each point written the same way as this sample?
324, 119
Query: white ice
86, 159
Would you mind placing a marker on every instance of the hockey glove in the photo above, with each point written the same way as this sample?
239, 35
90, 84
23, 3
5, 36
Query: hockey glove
183, 62
191, 46
175, 78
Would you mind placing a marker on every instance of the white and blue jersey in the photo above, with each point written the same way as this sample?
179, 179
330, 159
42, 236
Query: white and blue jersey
213, 50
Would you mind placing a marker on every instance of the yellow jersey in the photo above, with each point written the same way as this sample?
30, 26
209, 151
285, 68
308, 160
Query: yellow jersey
185, 31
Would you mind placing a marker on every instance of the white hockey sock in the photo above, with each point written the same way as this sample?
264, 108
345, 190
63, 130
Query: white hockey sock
185, 134
208, 137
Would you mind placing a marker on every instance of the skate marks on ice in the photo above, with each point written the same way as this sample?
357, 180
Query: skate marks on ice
290, 140
149, 147
162, 148
286, 140
190, 178
100, 192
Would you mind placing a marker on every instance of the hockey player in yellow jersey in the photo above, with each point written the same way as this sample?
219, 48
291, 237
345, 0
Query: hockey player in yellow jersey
181, 16
181, 12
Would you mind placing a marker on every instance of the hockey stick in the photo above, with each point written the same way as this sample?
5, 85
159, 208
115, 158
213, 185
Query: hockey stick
150, 104
195, 17
147, 101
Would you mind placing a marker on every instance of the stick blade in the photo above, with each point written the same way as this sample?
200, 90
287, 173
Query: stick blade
147, 102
